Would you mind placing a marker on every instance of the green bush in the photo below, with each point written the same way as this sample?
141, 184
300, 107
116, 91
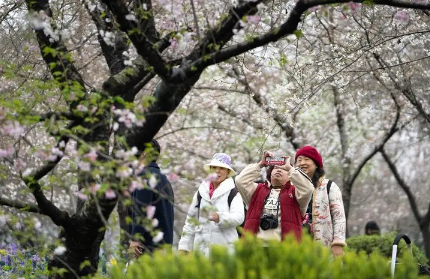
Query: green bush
384, 245
307, 260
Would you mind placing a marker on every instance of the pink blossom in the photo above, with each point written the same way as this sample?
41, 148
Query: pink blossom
92, 155
81, 196
173, 43
93, 110
353, 6
41, 155
402, 16
12, 128
172, 177
7, 152
94, 188
110, 194
150, 211
124, 172
211, 177
252, 19
82, 108
135, 185
55, 152
52, 157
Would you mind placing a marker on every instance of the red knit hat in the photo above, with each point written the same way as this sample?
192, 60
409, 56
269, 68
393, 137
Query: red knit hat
310, 152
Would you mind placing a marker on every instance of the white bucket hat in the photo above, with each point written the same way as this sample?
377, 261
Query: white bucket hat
220, 160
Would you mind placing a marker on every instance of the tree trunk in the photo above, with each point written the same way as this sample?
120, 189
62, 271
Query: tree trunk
82, 238
425, 231
346, 197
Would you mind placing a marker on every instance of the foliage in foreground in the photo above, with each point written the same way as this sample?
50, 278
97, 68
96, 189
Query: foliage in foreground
251, 259
384, 245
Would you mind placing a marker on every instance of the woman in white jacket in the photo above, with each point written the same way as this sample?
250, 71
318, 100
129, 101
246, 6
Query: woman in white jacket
211, 219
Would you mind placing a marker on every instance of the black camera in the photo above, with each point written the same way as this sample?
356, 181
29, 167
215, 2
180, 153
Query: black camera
268, 221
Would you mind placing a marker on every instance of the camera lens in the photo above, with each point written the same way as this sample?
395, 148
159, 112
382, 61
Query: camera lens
264, 224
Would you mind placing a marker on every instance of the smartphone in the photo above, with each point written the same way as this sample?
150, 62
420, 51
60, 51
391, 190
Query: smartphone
276, 161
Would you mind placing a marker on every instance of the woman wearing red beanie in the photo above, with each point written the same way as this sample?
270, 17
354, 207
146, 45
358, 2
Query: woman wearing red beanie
327, 221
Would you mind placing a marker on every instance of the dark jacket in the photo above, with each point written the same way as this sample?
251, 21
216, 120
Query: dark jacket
291, 217
163, 203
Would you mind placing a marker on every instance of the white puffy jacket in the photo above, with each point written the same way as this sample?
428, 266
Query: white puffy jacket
200, 235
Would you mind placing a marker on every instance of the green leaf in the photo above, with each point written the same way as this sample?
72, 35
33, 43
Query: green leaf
298, 33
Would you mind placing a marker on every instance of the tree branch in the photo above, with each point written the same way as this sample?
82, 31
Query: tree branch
378, 147
262, 103
236, 115
19, 205
55, 53
405, 88
285, 29
46, 207
113, 53
223, 32
340, 120
143, 39
124, 81
404, 186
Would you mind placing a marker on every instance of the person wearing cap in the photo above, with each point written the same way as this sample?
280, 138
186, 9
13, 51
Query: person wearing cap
328, 222
211, 219
277, 206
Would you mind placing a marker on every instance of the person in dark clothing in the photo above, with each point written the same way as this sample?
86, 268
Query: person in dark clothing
372, 228
158, 195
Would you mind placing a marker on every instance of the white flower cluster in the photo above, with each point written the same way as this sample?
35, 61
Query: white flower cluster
108, 37
127, 60
11, 128
127, 117
41, 21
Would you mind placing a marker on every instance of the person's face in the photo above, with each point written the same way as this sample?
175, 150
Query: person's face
372, 231
279, 176
222, 174
307, 165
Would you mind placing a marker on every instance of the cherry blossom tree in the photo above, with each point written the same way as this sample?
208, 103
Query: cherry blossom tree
94, 118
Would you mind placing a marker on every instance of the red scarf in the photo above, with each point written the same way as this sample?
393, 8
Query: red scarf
211, 189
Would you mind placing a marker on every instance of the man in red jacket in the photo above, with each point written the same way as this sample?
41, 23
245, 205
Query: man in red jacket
276, 207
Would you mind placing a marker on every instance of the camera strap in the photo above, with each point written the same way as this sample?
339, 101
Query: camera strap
279, 201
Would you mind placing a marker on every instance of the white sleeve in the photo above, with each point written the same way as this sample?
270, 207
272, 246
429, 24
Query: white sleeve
186, 242
235, 216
